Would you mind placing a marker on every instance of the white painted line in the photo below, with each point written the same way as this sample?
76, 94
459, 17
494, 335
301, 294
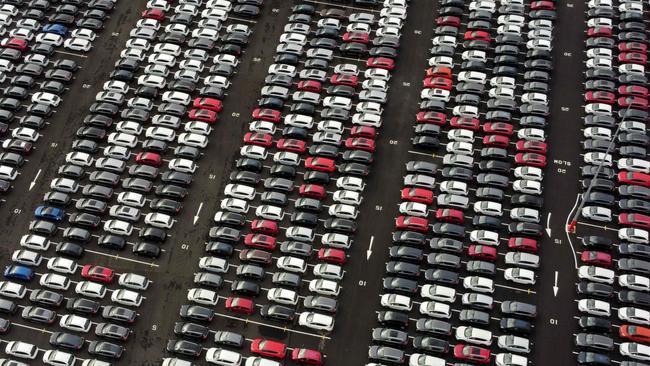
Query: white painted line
71, 54
122, 258
273, 326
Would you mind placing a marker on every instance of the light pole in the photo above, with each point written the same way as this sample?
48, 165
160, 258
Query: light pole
571, 227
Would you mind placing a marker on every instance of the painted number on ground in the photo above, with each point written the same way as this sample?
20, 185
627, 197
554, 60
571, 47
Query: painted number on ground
378, 208
54, 144
212, 176
417, 31
236, 114
86, 86
185, 246
362, 283
154, 327
552, 321
17, 211
257, 59
406, 84
565, 109
568, 54
392, 142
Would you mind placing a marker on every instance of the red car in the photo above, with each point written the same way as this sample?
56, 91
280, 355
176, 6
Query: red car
208, 103
266, 114
448, 20
363, 131
436, 118
260, 241
542, 5
361, 37
632, 47
307, 356
477, 36
156, 14
331, 255
412, 223
240, 305
632, 57
496, 141
263, 226
531, 146
148, 158
450, 215
440, 71
600, 97
635, 333
599, 32
482, 252
381, 63
320, 164
635, 220
636, 178
293, 145
523, 244
203, 115
360, 143
472, 353
417, 195
15, 43
310, 85
469, 123
258, 138
437, 82
531, 159
97, 273
634, 102
499, 128
266, 348
633, 90
344, 79
592, 257
312, 191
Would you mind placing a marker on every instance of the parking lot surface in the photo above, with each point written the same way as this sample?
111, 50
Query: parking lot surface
308, 173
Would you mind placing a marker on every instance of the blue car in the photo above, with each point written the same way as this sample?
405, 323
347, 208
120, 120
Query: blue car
55, 28
19, 273
49, 213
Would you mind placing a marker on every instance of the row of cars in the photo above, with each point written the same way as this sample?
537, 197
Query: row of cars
34, 77
517, 108
277, 261
616, 188
94, 167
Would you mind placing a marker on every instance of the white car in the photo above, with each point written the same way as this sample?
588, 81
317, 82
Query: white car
478, 284
435, 309
62, 265
90, 289
35, 242
84, 33
202, 296
474, 335
21, 349
50, 99
529, 173
75, 323
633, 235
347, 197
49, 38
520, 275
414, 209
634, 315
54, 281
634, 282
396, 302
127, 297
634, 165
316, 321
182, 165
324, 287
235, 205
635, 350
594, 307
509, 359
27, 257
438, 293
12, 290
525, 214
282, 296
292, 264
344, 211
596, 274
488, 208
221, 357
527, 186
133, 281
329, 271
597, 213
514, 343
78, 44
25, 134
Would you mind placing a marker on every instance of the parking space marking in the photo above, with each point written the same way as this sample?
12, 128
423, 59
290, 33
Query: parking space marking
273, 326
122, 258
43, 330
342, 6
71, 54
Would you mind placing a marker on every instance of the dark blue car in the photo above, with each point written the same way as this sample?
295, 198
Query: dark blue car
55, 28
19, 273
49, 213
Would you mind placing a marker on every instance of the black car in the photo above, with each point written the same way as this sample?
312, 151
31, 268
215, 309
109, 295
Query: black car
595, 324
595, 289
191, 330
227, 338
400, 284
278, 312
66, 340
512, 325
196, 312
112, 331
393, 319
107, 349
430, 344
246, 288
46, 298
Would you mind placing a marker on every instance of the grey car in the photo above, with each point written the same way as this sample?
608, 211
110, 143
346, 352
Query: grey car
227, 338
389, 336
519, 308
594, 341
384, 353
322, 303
